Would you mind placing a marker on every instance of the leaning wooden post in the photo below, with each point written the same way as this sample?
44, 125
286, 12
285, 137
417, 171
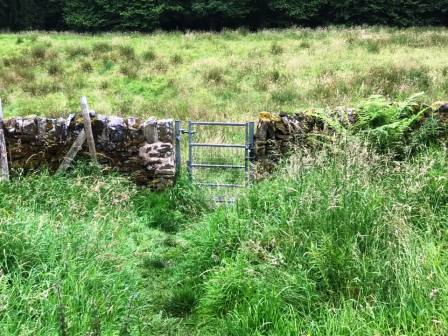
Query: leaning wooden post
88, 129
3, 155
74, 149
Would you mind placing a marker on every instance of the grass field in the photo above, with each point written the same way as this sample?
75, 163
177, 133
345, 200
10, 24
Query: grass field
338, 244
340, 241
218, 76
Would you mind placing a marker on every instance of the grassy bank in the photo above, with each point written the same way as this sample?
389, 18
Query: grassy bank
340, 243
231, 75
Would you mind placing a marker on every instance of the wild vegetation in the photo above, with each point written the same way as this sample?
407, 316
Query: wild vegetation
231, 75
345, 238
344, 241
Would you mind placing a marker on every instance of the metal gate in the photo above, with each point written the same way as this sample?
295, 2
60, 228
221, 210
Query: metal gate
219, 156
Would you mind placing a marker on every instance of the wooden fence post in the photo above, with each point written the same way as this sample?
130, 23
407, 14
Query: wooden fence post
3, 155
88, 129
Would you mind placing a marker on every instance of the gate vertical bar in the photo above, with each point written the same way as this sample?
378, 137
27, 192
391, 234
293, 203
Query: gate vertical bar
246, 154
249, 158
190, 150
251, 140
178, 155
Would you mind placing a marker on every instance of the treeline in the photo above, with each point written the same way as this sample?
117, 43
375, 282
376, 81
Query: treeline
147, 15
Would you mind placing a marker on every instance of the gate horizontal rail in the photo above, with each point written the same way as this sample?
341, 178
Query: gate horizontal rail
216, 123
218, 145
206, 165
215, 185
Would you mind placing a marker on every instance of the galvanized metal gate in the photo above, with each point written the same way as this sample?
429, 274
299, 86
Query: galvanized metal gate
219, 156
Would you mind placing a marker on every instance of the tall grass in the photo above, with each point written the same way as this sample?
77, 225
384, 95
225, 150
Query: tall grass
343, 241
76, 251
340, 243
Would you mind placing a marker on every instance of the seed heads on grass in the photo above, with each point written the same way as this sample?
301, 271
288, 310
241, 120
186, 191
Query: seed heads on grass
276, 49
77, 51
149, 55
55, 69
127, 52
129, 70
86, 66
176, 59
214, 74
101, 47
39, 52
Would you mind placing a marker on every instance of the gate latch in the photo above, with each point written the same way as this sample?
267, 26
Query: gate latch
184, 131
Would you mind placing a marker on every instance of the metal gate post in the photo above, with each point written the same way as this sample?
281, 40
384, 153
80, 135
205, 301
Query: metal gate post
249, 151
177, 137
190, 151
251, 140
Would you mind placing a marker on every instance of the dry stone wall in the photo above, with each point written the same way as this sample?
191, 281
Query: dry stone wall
279, 134
142, 149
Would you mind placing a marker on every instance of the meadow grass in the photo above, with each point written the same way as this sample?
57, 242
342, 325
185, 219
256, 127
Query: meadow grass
231, 75
344, 242
77, 253
340, 241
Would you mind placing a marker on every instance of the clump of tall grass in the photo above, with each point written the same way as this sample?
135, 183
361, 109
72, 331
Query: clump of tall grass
391, 80
149, 55
129, 70
276, 49
86, 66
176, 59
185, 205
55, 69
101, 47
127, 52
38, 52
338, 243
214, 74
75, 249
77, 51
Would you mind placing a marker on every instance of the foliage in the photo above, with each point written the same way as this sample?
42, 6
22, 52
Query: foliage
399, 127
141, 15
